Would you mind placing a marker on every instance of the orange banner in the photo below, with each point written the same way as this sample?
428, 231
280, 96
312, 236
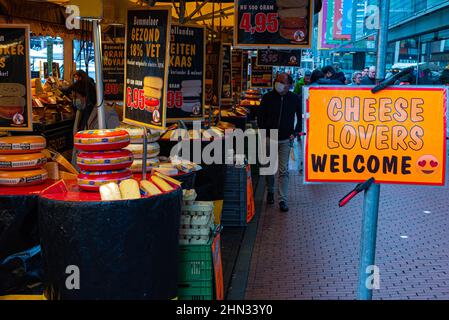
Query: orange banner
396, 136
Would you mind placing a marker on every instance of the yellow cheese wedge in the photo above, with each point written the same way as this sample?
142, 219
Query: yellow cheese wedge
67, 175
166, 171
110, 192
150, 188
129, 189
161, 184
167, 178
53, 170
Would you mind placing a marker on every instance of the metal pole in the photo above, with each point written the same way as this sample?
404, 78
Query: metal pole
368, 241
99, 74
382, 39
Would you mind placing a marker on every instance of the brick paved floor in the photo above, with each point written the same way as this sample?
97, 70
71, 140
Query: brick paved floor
312, 252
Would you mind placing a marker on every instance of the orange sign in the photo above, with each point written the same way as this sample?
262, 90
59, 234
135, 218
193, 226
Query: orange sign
396, 136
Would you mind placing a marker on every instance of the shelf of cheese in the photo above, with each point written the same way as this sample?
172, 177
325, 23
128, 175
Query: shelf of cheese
22, 144
14, 162
21, 161
101, 140
132, 189
23, 178
105, 160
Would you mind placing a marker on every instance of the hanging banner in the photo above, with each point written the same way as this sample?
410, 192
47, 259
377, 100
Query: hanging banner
226, 74
346, 25
15, 92
273, 23
290, 58
146, 70
261, 77
339, 17
113, 70
396, 136
237, 72
186, 76
213, 69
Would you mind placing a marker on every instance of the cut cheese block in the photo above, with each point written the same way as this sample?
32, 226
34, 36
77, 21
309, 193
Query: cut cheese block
136, 135
22, 144
167, 178
166, 171
53, 170
105, 160
137, 164
22, 178
22, 161
101, 140
150, 188
67, 175
110, 192
129, 189
161, 184
153, 150
91, 181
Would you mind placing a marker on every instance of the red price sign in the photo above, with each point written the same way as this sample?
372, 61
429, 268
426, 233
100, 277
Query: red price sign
111, 88
263, 22
174, 99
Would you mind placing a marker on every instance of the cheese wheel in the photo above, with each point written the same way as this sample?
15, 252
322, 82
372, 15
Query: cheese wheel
167, 171
91, 181
101, 140
136, 135
22, 178
153, 150
105, 160
29, 161
22, 144
137, 164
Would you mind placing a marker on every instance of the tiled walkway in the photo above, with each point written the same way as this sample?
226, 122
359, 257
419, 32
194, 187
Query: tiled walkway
312, 252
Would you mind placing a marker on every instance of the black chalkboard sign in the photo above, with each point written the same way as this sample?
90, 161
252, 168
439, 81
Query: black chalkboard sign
146, 69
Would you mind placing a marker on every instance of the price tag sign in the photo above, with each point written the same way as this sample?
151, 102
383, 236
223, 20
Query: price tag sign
113, 69
261, 77
273, 23
290, 58
186, 79
146, 70
15, 92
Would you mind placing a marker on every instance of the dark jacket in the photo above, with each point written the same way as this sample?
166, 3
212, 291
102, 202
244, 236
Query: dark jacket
367, 81
270, 109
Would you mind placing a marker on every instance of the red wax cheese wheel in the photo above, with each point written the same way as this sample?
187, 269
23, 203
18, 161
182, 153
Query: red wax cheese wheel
101, 140
105, 160
91, 181
22, 178
22, 144
12, 162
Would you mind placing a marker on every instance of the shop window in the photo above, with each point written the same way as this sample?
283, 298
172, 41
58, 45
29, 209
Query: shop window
83, 53
45, 50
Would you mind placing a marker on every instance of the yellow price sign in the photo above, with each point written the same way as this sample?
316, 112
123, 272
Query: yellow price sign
396, 136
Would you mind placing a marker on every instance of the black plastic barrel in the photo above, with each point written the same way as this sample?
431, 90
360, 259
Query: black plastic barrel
123, 249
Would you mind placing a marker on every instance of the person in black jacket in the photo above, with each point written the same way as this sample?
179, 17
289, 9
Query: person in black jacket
277, 111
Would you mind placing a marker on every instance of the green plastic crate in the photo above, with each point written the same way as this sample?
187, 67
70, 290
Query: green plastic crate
196, 290
195, 262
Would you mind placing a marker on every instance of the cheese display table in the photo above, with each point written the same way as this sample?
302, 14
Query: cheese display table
124, 249
18, 217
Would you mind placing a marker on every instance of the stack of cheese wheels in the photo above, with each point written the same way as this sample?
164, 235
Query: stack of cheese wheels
21, 161
136, 147
102, 158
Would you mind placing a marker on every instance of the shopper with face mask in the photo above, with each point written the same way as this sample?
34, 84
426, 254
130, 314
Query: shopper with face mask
277, 111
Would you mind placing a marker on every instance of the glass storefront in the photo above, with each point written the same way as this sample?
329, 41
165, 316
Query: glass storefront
44, 50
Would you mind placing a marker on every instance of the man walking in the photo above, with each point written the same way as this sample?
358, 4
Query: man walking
277, 111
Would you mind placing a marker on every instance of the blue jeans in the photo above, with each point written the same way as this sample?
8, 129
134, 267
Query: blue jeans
284, 149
